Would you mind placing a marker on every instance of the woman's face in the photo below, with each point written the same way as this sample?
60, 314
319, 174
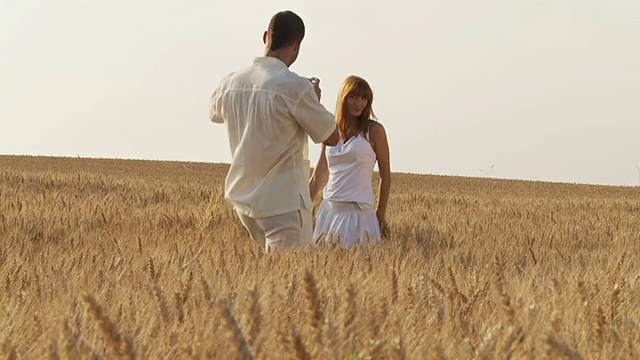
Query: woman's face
355, 104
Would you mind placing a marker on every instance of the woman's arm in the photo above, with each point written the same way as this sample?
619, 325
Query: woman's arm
320, 175
381, 148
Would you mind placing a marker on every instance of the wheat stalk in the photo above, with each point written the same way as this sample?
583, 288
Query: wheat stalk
376, 350
206, 291
488, 346
294, 346
152, 269
235, 339
515, 337
454, 286
599, 330
158, 296
253, 316
179, 307
505, 300
349, 313
53, 350
69, 341
186, 288
614, 303
120, 344
557, 349
314, 310
394, 286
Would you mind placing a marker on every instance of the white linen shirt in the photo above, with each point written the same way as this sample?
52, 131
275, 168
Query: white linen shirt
268, 111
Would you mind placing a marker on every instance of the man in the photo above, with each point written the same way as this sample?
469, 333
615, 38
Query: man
269, 111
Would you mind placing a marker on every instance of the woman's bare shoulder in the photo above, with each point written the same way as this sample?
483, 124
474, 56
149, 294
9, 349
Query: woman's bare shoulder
376, 128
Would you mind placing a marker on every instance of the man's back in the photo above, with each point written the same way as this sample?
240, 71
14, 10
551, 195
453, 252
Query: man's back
268, 111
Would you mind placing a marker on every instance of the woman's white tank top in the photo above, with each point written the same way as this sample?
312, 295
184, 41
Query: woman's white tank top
350, 172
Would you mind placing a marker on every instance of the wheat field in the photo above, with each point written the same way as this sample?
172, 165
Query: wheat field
103, 259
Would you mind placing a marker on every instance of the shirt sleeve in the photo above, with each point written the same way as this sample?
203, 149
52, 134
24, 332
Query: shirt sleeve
317, 121
215, 106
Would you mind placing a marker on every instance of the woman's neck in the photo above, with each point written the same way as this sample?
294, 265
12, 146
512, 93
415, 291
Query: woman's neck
349, 127
350, 122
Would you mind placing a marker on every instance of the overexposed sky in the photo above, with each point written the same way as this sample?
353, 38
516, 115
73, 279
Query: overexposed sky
537, 89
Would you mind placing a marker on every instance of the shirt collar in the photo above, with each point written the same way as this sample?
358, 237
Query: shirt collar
269, 61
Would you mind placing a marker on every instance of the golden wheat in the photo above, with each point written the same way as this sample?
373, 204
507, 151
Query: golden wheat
475, 268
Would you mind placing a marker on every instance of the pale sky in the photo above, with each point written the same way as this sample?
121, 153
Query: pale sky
539, 89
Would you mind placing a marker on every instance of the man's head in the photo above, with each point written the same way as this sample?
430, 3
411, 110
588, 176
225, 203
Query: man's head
284, 35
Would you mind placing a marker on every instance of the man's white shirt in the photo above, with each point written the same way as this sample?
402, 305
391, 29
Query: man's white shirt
269, 111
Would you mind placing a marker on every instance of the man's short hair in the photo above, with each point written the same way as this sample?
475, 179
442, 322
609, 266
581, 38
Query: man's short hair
285, 28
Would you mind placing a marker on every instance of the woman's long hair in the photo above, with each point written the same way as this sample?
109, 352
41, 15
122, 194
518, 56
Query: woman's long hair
354, 85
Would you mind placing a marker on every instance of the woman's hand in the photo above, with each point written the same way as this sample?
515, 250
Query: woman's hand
384, 226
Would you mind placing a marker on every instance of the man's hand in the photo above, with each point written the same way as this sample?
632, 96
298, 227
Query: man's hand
316, 86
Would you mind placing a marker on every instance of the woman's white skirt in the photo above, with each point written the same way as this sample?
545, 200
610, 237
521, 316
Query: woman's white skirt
347, 223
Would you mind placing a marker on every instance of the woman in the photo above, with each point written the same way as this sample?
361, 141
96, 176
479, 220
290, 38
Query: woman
344, 172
